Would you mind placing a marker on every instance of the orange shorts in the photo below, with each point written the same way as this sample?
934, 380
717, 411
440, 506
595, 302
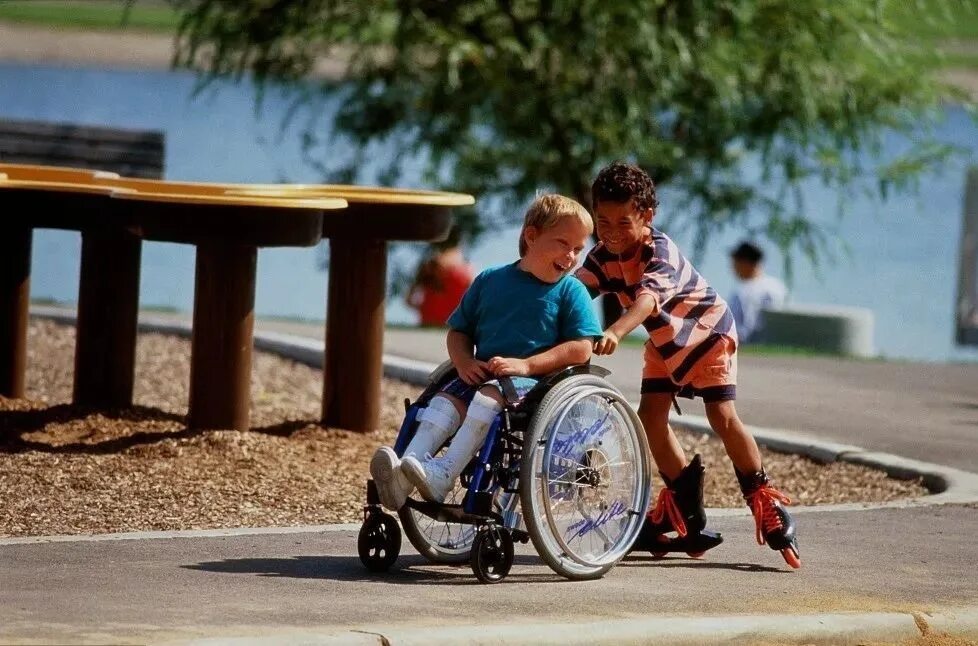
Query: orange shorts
712, 375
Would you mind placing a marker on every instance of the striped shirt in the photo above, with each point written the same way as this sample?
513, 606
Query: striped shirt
688, 311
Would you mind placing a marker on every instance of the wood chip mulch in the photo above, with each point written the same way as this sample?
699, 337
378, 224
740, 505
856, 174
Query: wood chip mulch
68, 470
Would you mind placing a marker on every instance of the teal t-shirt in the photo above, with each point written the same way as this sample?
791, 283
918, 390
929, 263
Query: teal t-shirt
509, 312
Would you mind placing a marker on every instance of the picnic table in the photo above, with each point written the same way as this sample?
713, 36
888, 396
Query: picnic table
113, 221
226, 223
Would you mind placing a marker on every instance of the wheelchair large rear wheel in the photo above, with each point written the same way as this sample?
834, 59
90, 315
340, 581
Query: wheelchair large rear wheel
437, 541
585, 477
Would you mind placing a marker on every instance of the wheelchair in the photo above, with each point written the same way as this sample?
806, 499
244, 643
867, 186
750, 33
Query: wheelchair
568, 468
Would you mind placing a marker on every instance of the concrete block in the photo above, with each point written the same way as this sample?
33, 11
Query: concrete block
826, 328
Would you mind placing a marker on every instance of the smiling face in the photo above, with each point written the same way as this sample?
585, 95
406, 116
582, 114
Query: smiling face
621, 225
552, 253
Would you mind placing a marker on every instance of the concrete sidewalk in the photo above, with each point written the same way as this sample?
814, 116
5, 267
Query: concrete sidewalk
883, 575
865, 576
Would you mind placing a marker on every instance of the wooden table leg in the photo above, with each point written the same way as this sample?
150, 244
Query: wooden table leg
353, 364
224, 318
108, 308
15, 282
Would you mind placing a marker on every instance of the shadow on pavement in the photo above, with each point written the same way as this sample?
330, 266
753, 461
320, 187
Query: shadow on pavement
675, 562
407, 570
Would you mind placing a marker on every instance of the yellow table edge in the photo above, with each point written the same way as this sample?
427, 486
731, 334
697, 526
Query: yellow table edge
61, 187
360, 195
380, 194
41, 168
320, 204
350, 193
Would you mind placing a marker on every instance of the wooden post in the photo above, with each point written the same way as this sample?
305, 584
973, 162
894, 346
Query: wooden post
15, 281
353, 363
220, 361
108, 307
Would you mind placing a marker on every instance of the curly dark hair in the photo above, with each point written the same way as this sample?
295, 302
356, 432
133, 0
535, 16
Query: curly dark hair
621, 182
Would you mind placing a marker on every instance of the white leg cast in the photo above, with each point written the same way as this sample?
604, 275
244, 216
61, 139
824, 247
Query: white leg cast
437, 422
435, 477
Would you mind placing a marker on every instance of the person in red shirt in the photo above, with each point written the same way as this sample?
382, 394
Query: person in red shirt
440, 282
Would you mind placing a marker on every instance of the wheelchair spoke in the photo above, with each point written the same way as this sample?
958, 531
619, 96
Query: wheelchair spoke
619, 464
589, 518
573, 483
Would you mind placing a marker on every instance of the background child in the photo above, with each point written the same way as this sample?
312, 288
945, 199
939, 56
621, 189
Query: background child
755, 291
440, 281
691, 351
519, 320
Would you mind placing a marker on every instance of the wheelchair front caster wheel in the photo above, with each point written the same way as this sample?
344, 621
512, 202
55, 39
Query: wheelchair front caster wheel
379, 542
492, 554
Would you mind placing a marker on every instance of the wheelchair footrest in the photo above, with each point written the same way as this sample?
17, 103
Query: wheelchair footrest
482, 503
446, 513
520, 536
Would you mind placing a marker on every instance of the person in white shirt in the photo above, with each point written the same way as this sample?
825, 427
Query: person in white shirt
755, 292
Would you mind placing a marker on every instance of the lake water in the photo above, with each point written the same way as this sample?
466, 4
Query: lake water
901, 262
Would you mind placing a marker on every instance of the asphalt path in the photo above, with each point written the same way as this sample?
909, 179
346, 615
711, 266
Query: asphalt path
177, 588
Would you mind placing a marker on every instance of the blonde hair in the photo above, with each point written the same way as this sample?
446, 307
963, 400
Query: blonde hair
548, 210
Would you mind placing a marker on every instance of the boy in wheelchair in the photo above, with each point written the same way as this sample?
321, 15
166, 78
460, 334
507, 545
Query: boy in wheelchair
522, 320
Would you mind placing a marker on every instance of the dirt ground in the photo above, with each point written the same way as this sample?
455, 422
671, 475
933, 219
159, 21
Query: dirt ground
65, 469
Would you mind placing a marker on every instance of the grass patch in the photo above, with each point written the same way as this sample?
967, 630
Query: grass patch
960, 60
934, 19
926, 19
152, 16
765, 350
47, 301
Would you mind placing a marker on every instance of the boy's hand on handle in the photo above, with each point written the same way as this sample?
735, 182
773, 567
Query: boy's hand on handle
643, 307
607, 344
504, 367
472, 371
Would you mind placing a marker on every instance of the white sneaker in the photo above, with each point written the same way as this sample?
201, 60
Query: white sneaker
392, 487
434, 479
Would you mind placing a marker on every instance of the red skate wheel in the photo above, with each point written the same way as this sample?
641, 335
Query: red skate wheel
695, 555
791, 557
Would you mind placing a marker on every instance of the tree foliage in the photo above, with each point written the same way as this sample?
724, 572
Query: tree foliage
508, 97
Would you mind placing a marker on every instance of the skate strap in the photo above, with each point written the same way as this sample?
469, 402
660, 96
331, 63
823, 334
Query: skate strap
665, 506
675, 404
765, 511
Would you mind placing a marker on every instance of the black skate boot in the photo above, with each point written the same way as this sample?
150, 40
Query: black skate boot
679, 509
775, 526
